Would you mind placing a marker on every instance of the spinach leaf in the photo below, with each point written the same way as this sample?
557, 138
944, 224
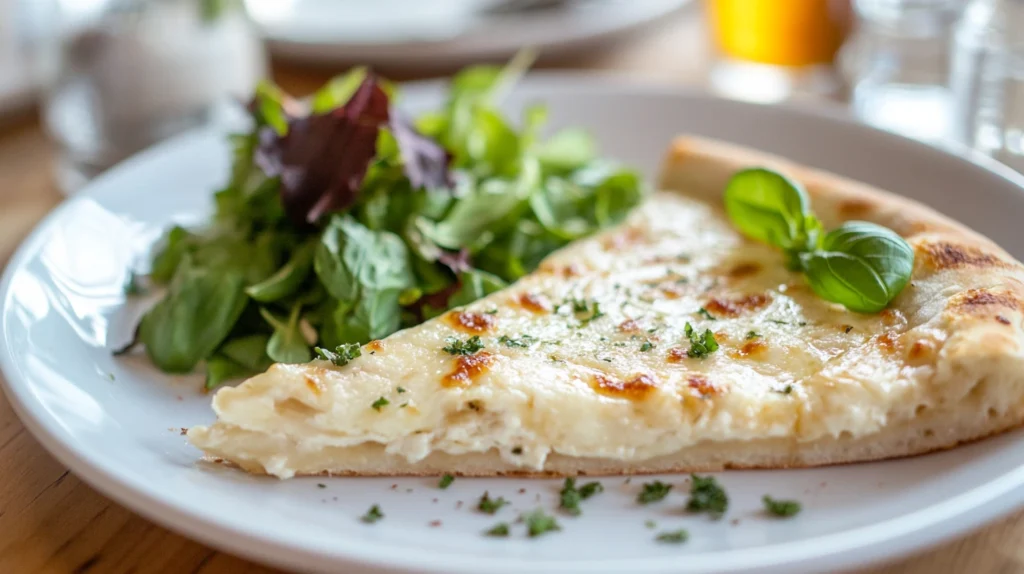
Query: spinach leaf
175, 245
567, 150
288, 343
191, 321
220, 370
287, 279
351, 258
249, 351
860, 265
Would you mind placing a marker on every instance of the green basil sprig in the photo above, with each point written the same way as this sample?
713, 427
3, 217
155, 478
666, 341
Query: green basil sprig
860, 265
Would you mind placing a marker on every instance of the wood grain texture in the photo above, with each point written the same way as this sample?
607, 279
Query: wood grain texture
52, 522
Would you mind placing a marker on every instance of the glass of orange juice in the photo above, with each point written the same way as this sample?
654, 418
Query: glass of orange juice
771, 50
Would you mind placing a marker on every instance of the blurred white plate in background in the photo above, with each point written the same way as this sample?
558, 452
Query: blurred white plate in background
17, 87
443, 32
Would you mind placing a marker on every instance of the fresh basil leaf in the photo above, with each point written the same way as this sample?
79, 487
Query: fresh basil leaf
351, 258
220, 370
769, 207
337, 90
567, 150
860, 265
249, 351
287, 279
375, 315
288, 344
190, 322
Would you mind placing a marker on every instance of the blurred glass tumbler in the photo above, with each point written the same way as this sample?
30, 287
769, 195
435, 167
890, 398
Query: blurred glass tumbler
987, 80
776, 49
121, 75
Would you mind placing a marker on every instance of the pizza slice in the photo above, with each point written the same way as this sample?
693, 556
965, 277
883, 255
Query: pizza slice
670, 343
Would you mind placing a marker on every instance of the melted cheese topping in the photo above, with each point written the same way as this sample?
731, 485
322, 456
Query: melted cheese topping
588, 357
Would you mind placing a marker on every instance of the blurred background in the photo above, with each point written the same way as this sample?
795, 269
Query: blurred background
86, 83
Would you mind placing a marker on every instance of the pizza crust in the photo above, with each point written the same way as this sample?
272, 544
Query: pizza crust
965, 308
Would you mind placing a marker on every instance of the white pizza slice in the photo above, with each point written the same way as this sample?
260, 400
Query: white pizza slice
602, 361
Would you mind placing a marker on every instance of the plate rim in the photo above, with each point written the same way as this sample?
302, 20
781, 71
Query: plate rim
879, 542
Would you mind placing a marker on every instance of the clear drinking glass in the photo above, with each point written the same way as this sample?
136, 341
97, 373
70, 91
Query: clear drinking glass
898, 62
987, 80
121, 75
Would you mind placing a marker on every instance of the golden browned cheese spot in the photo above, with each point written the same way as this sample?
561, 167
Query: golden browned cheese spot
743, 270
676, 355
629, 326
751, 348
535, 303
854, 208
471, 322
673, 291
722, 337
624, 238
888, 341
702, 385
375, 345
313, 385
893, 317
921, 352
567, 271
634, 389
985, 302
734, 307
943, 255
468, 368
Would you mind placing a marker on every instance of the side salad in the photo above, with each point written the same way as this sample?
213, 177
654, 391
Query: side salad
344, 220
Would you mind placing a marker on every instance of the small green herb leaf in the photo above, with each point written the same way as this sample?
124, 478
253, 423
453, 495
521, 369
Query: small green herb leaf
499, 530
646, 346
523, 341
380, 404
706, 314
570, 497
653, 492
537, 523
673, 537
490, 505
706, 495
372, 515
446, 481
860, 265
467, 347
590, 489
701, 345
781, 508
342, 354
753, 335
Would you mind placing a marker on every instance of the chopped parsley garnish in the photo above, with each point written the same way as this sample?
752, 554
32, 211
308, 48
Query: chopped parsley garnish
492, 311
848, 329
753, 335
490, 505
571, 496
706, 495
590, 489
653, 492
707, 315
785, 390
522, 342
538, 523
321, 485
341, 355
650, 524
781, 508
701, 345
467, 347
517, 450
673, 537
446, 481
499, 530
403, 405
400, 390
646, 346
380, 403
372, 515
586, 311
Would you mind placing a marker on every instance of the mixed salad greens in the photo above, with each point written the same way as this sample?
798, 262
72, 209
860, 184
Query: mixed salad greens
344, 221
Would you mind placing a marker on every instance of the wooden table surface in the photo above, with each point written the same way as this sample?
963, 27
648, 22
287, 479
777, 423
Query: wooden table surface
50, 521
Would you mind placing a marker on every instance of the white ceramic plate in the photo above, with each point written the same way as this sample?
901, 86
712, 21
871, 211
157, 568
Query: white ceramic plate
441, 32
115, 421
